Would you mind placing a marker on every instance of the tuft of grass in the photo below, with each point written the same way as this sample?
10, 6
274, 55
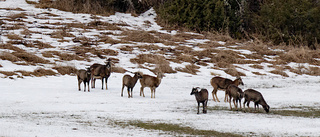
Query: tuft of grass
13, 36
192, 69
31, 58
8, 56
149, 58
66, 70
18, 15
279, 72
118, 69
256, 66
233, 72
140, 36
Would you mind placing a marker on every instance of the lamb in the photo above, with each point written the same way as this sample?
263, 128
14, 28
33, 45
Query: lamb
236, 93
257, 98
130, 82
100, 72
223, 83
152, 82
201, 97
84, 76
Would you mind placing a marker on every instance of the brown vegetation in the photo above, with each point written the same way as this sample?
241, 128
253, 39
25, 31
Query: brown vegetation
192, 69
140, 36
66, 70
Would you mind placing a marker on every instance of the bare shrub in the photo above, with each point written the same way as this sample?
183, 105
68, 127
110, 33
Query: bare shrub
66, 70
192, 69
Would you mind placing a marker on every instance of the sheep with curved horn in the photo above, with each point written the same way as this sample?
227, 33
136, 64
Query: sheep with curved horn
201, 97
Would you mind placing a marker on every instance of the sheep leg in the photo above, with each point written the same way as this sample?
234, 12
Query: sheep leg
234, 102
79, 82
214, 94
151, 92
154, 92
240, 103
107, 82
205, 106
230, 104
226, 97
141, 91
131, 92
198, 107
84, 83
122, 91
93, 83
128, 89
102, 82
88, 86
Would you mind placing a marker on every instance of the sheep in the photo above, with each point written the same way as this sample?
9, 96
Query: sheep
236, 93
152, 82
223, 83
257, 98
130, 82
84, 76
201, 97
100, 72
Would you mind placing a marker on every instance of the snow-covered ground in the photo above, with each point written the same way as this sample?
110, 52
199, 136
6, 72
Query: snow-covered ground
53, 106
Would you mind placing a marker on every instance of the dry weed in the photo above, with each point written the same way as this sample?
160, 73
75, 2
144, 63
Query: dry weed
258, 73
31, 58
18, 16
192, 69
149, 58
63, 70
299, 55
256, 66
140, 36
14, 36
279, 72
8, 73
233, 72
118, 69
8, 56
60, 34
164, 68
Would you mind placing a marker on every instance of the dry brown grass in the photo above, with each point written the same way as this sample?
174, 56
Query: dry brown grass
66, 70
18, 15
300, 55
39, 72
140, 36
149, 47
164, 68
61, 55
103, 25
279, 72
192, 69
8, 56
29, 57
118, 69
256, 66
13, 36
258, 73
233, 72
149, 58
8, 73
60, 34
108, 40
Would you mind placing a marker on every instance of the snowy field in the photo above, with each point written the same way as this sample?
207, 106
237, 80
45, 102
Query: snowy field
53, 106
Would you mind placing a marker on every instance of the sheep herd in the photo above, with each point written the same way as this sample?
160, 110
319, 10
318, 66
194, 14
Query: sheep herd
232, 91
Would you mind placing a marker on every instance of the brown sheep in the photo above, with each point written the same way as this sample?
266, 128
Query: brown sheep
130, 82
257, 98
152, 82
236, 94
201, 97
223, 83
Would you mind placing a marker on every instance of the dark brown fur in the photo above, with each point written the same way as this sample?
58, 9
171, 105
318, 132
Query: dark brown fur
84, 76
257, 98
102, 72
201, 97
236, 94
130, 82
223, 83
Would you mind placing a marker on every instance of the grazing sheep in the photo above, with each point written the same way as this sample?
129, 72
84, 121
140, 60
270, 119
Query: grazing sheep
257, 98
201, 97
100, 72
152, 82
84, 76
236, 93
130, 82
223, 83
